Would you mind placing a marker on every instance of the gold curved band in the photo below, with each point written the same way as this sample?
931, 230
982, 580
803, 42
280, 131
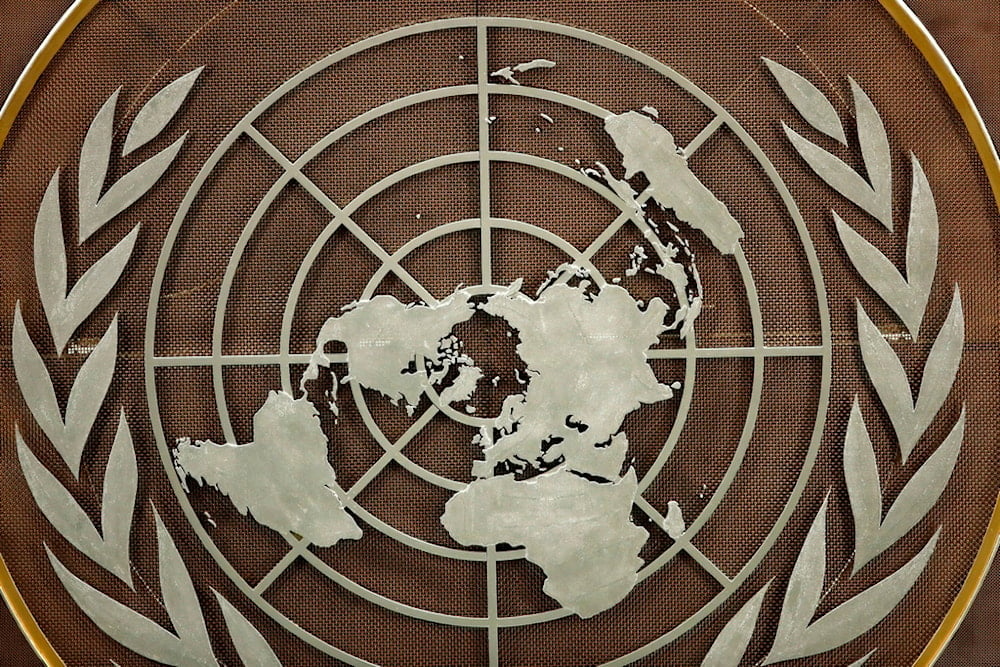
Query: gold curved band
907, 21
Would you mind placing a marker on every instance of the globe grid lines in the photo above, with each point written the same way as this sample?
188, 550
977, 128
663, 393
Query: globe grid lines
217, 361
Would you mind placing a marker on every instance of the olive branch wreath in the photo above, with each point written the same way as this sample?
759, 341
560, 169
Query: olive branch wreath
65, 310
799, 634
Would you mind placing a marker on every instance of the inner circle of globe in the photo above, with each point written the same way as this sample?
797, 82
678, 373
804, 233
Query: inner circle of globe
486, 342
575, 353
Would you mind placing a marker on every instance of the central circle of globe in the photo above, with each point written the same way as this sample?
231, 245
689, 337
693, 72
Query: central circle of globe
553, 474
489, 343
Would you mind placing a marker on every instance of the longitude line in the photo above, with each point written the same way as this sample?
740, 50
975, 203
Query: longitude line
313, 189
486, 261
492, 605
485, 208
704, 136
365, 239
706, 564
731, 352
238, 360
279, 568
391, 454
704, 561
613, 228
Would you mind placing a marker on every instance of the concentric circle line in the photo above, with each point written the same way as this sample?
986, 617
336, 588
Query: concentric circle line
549, 96
343, 216
568, 172
398, 104
469, 224
298, 550
749, 425
482, 93
423, 545
327, 233
473, 223
302, 76
218, 325
388, 603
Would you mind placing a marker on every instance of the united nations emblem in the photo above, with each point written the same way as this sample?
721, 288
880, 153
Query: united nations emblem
503, 335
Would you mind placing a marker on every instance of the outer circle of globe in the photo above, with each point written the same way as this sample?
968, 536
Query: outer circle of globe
756, 354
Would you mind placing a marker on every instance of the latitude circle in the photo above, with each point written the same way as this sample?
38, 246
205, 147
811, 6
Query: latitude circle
383, 271
573, 253
441, 231
423, 473
543, 27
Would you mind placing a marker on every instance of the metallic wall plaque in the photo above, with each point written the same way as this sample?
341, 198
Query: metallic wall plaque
496, 333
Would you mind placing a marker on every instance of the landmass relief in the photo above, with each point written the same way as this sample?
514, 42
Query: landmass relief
553, 476
283, 476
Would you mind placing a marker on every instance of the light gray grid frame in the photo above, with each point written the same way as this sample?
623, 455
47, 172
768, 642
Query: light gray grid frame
391, 263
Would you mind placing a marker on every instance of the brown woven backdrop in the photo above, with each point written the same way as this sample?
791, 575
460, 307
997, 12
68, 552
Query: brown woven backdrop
968, 30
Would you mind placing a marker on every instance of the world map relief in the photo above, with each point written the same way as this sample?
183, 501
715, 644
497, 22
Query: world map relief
553, 476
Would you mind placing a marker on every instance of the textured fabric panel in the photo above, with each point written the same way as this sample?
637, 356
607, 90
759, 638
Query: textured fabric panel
254, 549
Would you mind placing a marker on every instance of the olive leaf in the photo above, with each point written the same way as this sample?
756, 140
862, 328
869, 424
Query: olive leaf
64, 513
189, 646
157, 113
121, 483
251, 646
68, 436
875, 152
873, 534
798, 636
95, 155
874, 194
731, 644
911, 418
66, 311
812, 105
863, 659
908, 296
